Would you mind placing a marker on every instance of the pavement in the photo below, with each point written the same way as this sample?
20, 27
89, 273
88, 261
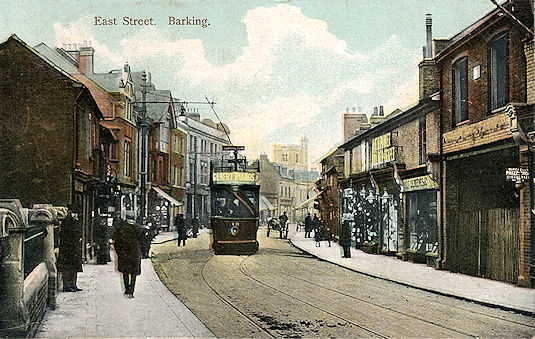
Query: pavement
480, 290
102, 310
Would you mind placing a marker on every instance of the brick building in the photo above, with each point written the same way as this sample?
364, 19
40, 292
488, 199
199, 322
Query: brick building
51, 147
486, 117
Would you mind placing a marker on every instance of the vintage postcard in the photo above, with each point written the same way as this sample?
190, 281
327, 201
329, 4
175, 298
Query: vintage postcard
267, 168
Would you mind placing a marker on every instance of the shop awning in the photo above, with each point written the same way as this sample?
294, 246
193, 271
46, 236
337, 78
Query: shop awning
308, 201
166, 196
265, 204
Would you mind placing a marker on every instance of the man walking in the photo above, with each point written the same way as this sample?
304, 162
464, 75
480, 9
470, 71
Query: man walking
345, 239
126, 245
181, 229
308, 225
282, 225
195, 226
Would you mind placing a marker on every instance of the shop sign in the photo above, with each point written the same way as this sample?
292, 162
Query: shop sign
234, 177
516, 174
382, 149
419, 183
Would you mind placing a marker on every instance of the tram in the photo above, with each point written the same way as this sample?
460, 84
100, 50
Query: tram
234, 203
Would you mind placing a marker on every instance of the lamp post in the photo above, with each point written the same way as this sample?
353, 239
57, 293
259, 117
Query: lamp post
144, 127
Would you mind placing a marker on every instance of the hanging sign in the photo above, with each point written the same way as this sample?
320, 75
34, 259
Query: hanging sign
516, 174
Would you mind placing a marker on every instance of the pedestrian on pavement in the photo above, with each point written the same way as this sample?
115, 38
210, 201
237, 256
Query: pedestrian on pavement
270, 226
126, 245
102, 240
326, 231
308, 225
282, 225
345, 239
317, 231
145, 237
181, 229
70, 251
195, 226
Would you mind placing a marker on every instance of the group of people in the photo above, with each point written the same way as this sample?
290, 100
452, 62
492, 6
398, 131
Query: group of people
131, 242
282, 225
321, 231
182, 229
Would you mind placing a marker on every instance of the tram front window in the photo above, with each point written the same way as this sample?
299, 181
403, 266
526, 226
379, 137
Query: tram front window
234, 203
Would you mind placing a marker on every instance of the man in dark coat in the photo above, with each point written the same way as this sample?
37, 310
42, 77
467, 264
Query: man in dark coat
195, 226
316, 227
345, 239
70, 252
126, 244
101, 239
181, 229
308, 225
282, 224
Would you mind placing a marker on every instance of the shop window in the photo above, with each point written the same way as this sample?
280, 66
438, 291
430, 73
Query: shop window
421, 217
460, 90
497, 66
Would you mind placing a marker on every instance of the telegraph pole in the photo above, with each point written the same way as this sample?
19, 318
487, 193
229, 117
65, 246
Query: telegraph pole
144, 127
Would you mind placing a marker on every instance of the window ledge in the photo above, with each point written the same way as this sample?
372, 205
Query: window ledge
464, 122
497, 110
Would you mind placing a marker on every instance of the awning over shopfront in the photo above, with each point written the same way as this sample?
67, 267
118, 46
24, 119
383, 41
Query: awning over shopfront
166, 196
265, 204
309, 201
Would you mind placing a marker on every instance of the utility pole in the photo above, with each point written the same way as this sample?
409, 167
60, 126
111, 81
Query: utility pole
144, 157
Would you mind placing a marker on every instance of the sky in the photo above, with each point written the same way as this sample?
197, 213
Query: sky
277, 70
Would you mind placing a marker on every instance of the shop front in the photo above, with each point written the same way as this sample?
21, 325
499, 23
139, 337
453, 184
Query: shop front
359, 211
389, 209
421, 241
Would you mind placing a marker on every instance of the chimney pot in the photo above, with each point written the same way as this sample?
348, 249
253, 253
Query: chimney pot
353, 109
375, 110
429, 36
381, 111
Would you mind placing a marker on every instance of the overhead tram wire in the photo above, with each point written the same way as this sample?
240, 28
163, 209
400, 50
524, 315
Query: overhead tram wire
211, 103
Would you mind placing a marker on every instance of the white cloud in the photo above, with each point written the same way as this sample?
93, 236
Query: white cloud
293, 75
79, 32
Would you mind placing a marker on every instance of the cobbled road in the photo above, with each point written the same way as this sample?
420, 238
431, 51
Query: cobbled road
282, 292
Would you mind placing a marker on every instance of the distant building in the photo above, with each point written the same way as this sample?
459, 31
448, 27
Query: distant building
352, 122
294, 157
204, 143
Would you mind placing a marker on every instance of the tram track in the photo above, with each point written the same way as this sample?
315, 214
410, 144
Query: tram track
310, 304
490, 316
230, 304
388, 308
348, 296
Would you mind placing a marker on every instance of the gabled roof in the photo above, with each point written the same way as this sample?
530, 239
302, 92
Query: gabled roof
392, 121
99, 93
522, 7
15, 38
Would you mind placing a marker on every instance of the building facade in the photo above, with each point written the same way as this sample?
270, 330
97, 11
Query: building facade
54, 154
486, 116
293, 157
204, 143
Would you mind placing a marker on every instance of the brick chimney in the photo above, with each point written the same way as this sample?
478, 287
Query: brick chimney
428, 71
352, 122
85, 62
